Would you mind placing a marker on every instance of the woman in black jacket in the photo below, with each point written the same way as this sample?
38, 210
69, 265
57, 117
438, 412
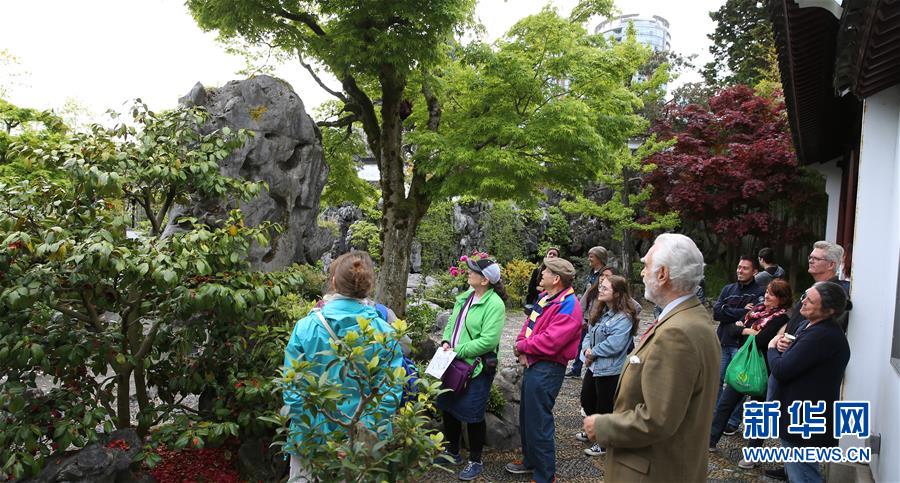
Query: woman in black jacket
534, 290
763, 321
810, 368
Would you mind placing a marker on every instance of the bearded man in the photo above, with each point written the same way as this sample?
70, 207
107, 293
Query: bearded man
669, 384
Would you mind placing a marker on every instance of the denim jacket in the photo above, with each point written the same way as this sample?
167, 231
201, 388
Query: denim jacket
608, 340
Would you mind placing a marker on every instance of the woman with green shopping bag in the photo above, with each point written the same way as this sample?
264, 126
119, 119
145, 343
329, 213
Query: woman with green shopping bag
762, 323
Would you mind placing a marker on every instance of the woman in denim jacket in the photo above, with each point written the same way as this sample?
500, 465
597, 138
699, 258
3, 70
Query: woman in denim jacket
614, 324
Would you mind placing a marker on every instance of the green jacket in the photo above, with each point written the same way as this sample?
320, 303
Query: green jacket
483, 327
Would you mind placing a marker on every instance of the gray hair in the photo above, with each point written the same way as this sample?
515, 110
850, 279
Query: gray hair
600, 253
681, 256
833, 253
834, 297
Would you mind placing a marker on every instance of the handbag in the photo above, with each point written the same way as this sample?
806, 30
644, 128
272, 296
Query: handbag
457, 376
747, 372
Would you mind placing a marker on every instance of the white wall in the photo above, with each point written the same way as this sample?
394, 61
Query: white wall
870, 376
832, 174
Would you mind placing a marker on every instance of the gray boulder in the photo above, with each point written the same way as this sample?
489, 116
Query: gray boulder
95, 463
441, 321
500, 434
503, 429
285, 152
509, 383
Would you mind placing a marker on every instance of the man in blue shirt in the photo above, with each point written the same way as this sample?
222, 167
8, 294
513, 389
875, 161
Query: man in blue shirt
733, 304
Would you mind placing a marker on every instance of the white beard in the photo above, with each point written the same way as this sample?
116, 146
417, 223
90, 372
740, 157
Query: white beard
651, 289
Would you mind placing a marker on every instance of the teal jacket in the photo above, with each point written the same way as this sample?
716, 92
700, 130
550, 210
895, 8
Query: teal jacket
309, 338
483, 327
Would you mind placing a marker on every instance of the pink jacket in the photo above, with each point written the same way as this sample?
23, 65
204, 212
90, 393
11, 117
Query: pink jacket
555, 333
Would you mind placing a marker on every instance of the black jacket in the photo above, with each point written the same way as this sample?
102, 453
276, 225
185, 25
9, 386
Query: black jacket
811, 370
769, 331
730, 308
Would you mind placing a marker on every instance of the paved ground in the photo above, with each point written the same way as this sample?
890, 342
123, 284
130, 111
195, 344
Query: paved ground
571, 462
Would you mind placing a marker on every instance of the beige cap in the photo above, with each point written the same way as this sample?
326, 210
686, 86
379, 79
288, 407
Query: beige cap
559, 266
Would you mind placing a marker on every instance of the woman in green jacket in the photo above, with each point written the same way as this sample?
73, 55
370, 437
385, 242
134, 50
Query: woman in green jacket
473, 332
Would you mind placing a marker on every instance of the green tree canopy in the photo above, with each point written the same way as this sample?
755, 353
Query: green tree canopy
546, 106
743, 46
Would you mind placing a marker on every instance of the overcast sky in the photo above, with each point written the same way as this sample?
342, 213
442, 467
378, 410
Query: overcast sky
103, 53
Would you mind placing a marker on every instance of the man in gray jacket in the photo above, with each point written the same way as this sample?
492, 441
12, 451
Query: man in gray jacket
770, 270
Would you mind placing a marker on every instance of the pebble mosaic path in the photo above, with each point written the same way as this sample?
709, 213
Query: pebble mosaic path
572, 465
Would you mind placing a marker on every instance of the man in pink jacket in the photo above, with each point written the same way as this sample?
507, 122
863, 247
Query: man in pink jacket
548, 341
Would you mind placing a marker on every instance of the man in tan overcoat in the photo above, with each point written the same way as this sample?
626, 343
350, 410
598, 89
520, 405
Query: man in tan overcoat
659, 427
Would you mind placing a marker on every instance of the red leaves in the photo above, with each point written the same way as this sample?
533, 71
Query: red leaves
195, 466
730, 163
118, 444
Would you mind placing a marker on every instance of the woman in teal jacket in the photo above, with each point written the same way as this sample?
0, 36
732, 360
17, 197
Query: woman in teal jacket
351, 278
473, 332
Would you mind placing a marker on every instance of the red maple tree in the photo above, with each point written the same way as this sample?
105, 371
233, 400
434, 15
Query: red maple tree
733, 175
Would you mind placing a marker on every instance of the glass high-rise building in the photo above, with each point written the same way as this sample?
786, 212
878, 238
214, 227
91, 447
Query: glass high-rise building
652, 31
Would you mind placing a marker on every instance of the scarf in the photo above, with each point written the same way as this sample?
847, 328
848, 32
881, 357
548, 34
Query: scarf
759, 316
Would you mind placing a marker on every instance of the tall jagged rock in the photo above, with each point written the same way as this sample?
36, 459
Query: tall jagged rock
285, 152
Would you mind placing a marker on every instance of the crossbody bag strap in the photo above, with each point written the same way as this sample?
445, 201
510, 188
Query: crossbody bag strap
326, 325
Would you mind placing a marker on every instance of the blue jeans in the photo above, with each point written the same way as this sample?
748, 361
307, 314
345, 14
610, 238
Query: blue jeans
727, 355
801, 472
578, 364
540, 386
729, 401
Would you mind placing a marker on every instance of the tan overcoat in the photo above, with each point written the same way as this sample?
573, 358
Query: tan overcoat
659, 427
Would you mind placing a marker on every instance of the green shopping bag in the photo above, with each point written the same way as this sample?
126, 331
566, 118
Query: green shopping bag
747, 373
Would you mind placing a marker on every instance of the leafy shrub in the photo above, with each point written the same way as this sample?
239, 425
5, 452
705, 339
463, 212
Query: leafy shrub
444, 292
516, 275
496, 403
503, 231
420, 319
558, 233
440, 245
365, 235
397, 445
82, 301
314, 278
715, 280
292, 307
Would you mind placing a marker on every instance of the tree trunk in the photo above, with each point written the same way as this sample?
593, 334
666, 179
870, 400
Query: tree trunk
123, 398
401, 213
626, 232
140, 387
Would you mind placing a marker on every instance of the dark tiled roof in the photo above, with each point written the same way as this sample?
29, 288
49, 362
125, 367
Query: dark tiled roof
869, 47
822, 123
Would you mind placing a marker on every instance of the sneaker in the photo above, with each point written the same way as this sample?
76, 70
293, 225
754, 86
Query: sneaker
581, 436
595, 450
777, 474
574, 373
518, 468
730, 431
472, 470
448, 458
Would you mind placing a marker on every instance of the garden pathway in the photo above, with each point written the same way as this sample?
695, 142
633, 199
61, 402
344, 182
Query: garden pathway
571, 462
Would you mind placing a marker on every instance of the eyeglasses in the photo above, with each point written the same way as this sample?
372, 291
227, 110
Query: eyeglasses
813, 259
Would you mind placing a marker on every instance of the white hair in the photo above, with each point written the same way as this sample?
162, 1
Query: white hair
681, 256
833, 253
